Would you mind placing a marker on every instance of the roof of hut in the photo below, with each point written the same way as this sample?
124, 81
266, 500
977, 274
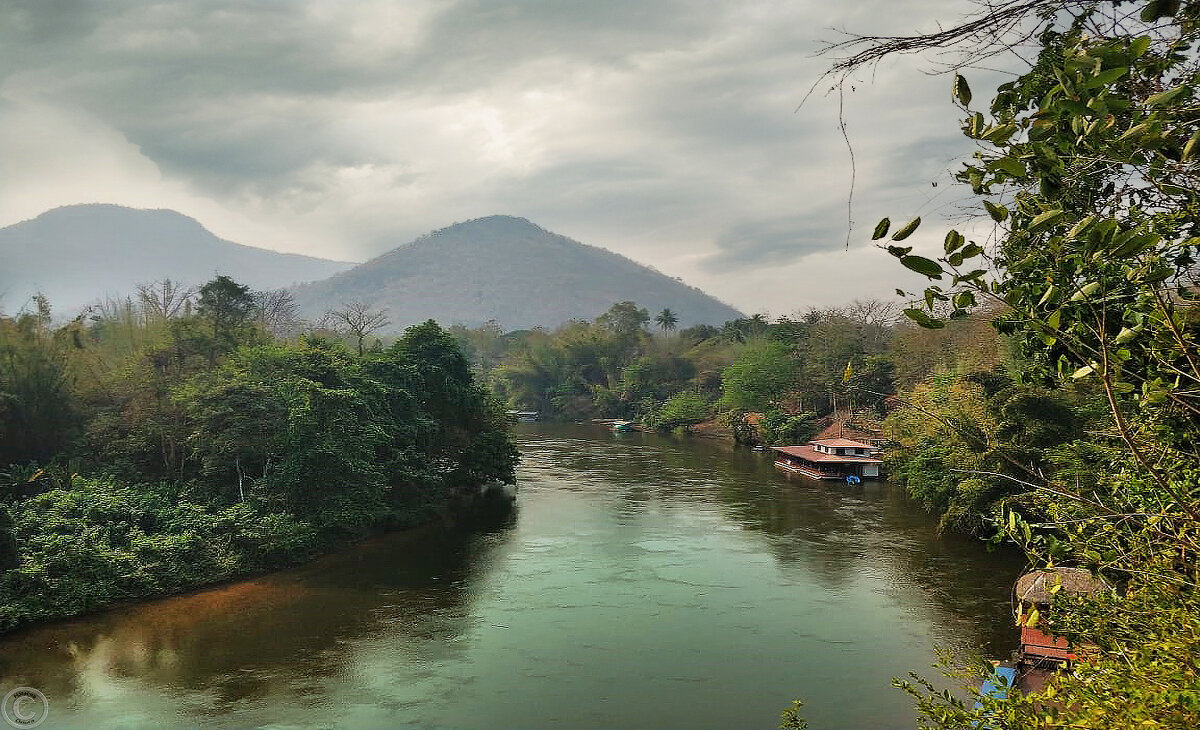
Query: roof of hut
1036, 587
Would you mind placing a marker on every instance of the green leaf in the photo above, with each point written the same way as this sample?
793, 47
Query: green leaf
1044, 220
1135, 245
923, 266
1166, 97
1156, 9
907, 230
1190, 147
1139, 46
1085, 291
1107, 77
1010, 165
899, 251
1135, 131
997, 212
1000, 134
971, 250
1081, 226
962, 92
954, 239
881, 229
924, 320
1083, 372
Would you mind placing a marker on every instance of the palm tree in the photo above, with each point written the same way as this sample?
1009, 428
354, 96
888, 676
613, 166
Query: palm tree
667, 320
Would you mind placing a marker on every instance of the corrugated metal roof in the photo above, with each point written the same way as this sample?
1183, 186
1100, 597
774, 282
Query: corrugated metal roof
808, 453
842, 444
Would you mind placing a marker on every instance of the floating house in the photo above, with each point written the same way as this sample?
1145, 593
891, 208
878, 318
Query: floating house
1035, 592
835, 458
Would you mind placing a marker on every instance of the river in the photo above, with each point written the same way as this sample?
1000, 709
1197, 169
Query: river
642, 582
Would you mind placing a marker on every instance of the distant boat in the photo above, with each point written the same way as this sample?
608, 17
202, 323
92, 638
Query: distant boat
523, 416
616, 424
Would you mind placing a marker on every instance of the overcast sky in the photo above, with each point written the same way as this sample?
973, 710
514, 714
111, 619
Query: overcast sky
665, 130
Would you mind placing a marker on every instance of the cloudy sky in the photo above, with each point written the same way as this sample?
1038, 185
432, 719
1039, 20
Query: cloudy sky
667, 131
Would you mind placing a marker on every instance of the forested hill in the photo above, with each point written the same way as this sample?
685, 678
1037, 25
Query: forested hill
78, 253
509, 270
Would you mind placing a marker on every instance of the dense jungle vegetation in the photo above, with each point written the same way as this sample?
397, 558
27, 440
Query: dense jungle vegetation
165, 442
1086, 166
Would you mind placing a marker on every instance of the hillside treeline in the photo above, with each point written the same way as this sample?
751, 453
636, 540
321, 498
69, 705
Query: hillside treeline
630, 364
971, 419
162, 443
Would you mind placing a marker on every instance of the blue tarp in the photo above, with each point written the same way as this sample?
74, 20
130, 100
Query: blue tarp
999, 683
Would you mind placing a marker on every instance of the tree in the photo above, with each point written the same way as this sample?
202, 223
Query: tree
277, 312
1087, 164
38, 416
761, 375
683, 409
361, 319
666, 320
625, 318
228, 307
164, 299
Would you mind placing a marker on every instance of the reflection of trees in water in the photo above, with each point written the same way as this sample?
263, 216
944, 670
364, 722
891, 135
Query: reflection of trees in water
823, 529
244, 639
813, 527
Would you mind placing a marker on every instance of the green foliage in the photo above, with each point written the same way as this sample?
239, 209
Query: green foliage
1087, 163
37, 414
667, 320
777, 427
791, 718
762, 373
228, 307
625, 318
100, 542
8, 541
586, 370
682, 409
230, 459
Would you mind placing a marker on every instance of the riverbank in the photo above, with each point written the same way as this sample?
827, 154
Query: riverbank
645, 581
99, 545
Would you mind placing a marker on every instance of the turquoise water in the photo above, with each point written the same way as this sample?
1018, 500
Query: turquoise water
642, 582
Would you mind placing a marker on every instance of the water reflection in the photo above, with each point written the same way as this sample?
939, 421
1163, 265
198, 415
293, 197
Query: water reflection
282, 634
826, 530
645, 582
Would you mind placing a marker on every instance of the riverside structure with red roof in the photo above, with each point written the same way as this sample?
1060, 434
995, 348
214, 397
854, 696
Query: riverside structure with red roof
830, 459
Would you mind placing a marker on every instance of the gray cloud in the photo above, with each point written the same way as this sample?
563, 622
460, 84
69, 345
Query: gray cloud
666, 131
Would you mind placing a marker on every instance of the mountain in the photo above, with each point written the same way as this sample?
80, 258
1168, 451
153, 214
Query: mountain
80, 253
509, 270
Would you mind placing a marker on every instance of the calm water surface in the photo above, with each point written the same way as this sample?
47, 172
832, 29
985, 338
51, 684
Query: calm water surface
643, 582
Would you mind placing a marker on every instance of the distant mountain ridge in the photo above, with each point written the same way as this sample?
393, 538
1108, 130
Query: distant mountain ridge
78, 254
509, 270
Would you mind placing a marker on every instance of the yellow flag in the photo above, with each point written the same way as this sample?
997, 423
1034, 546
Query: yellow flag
849, 372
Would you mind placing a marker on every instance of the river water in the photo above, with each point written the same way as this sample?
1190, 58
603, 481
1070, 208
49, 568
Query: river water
642, 582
